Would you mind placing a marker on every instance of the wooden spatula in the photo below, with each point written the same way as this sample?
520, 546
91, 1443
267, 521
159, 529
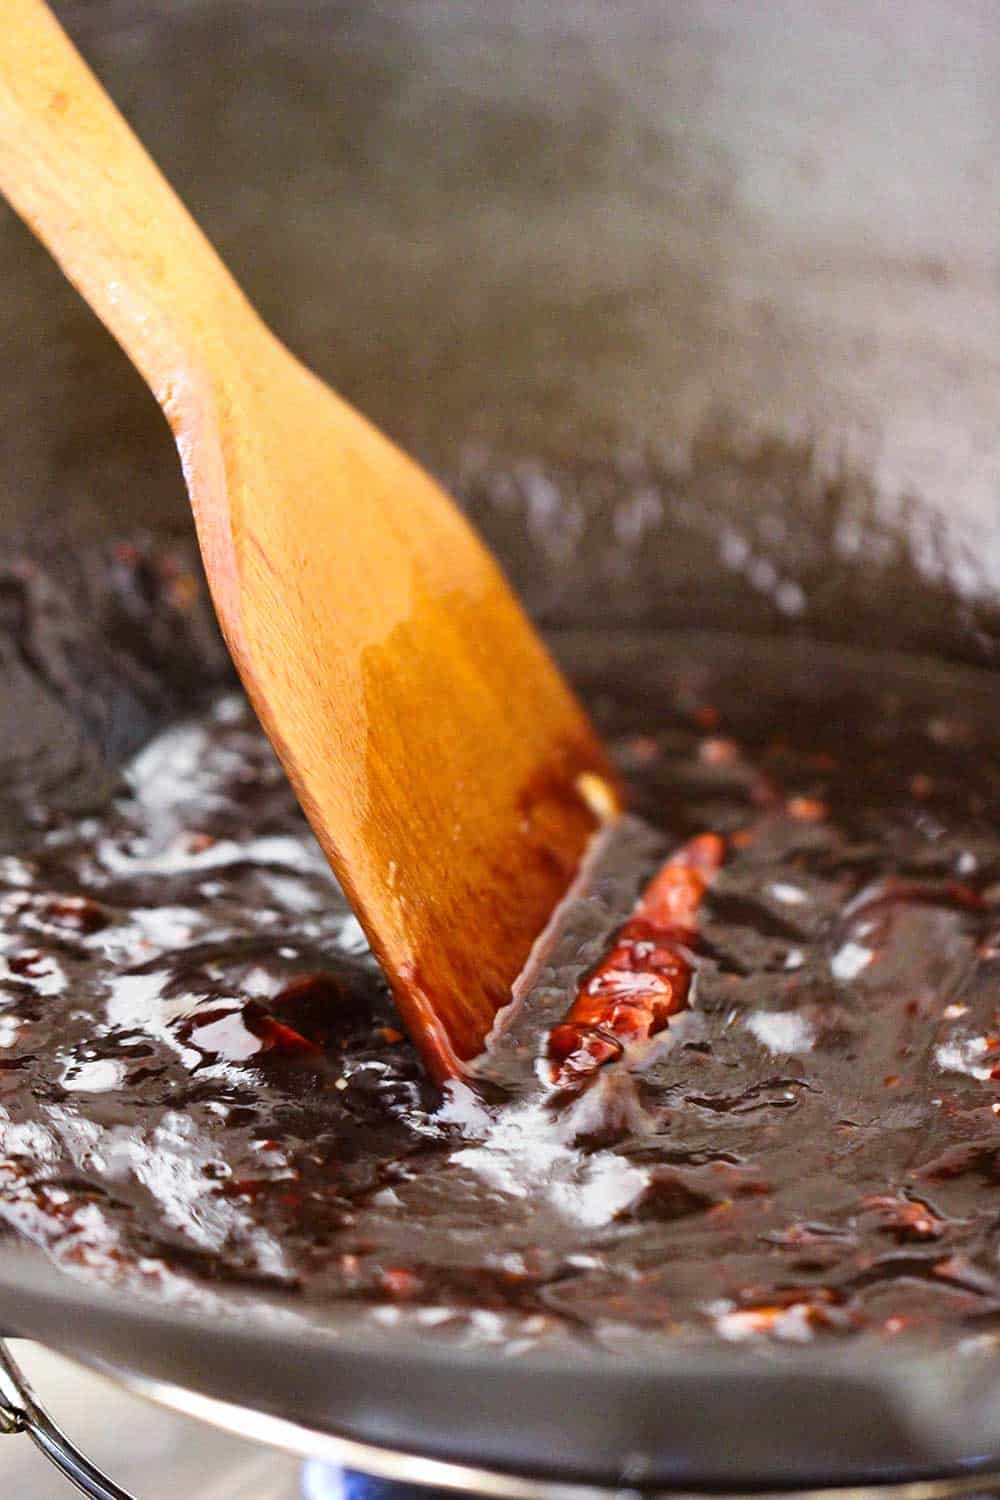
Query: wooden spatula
449, 774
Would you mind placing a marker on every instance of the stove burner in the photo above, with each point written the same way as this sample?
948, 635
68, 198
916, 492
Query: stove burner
322, 1481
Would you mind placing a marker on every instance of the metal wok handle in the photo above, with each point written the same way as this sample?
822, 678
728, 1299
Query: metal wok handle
20, 1412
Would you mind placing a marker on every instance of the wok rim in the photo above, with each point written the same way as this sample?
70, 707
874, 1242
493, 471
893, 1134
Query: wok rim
416, 1469
136, 1344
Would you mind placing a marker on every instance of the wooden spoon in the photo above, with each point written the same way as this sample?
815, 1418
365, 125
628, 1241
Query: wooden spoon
449, 774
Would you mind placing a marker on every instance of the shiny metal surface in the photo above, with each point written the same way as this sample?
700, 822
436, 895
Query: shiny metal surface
21, 1412
411, 1469
715, 1418
148, 1450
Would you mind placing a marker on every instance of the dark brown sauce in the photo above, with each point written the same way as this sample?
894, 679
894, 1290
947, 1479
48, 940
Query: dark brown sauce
203, 1083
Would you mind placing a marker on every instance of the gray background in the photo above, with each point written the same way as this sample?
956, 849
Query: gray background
555, 230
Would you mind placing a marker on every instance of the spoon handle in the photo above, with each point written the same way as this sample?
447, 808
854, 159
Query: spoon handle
73, 169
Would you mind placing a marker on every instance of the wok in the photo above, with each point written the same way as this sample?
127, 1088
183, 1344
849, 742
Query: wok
698, 308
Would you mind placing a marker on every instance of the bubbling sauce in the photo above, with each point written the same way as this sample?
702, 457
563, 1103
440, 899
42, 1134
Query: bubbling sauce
203, 1083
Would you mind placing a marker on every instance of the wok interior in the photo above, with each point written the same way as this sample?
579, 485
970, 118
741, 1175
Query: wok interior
695, 309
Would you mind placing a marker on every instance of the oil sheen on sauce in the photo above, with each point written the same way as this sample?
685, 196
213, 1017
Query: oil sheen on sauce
203, 1085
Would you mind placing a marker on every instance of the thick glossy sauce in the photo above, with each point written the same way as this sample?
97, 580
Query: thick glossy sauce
203, 1083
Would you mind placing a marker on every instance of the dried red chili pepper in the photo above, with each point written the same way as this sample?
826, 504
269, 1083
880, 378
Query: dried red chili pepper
645, 978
